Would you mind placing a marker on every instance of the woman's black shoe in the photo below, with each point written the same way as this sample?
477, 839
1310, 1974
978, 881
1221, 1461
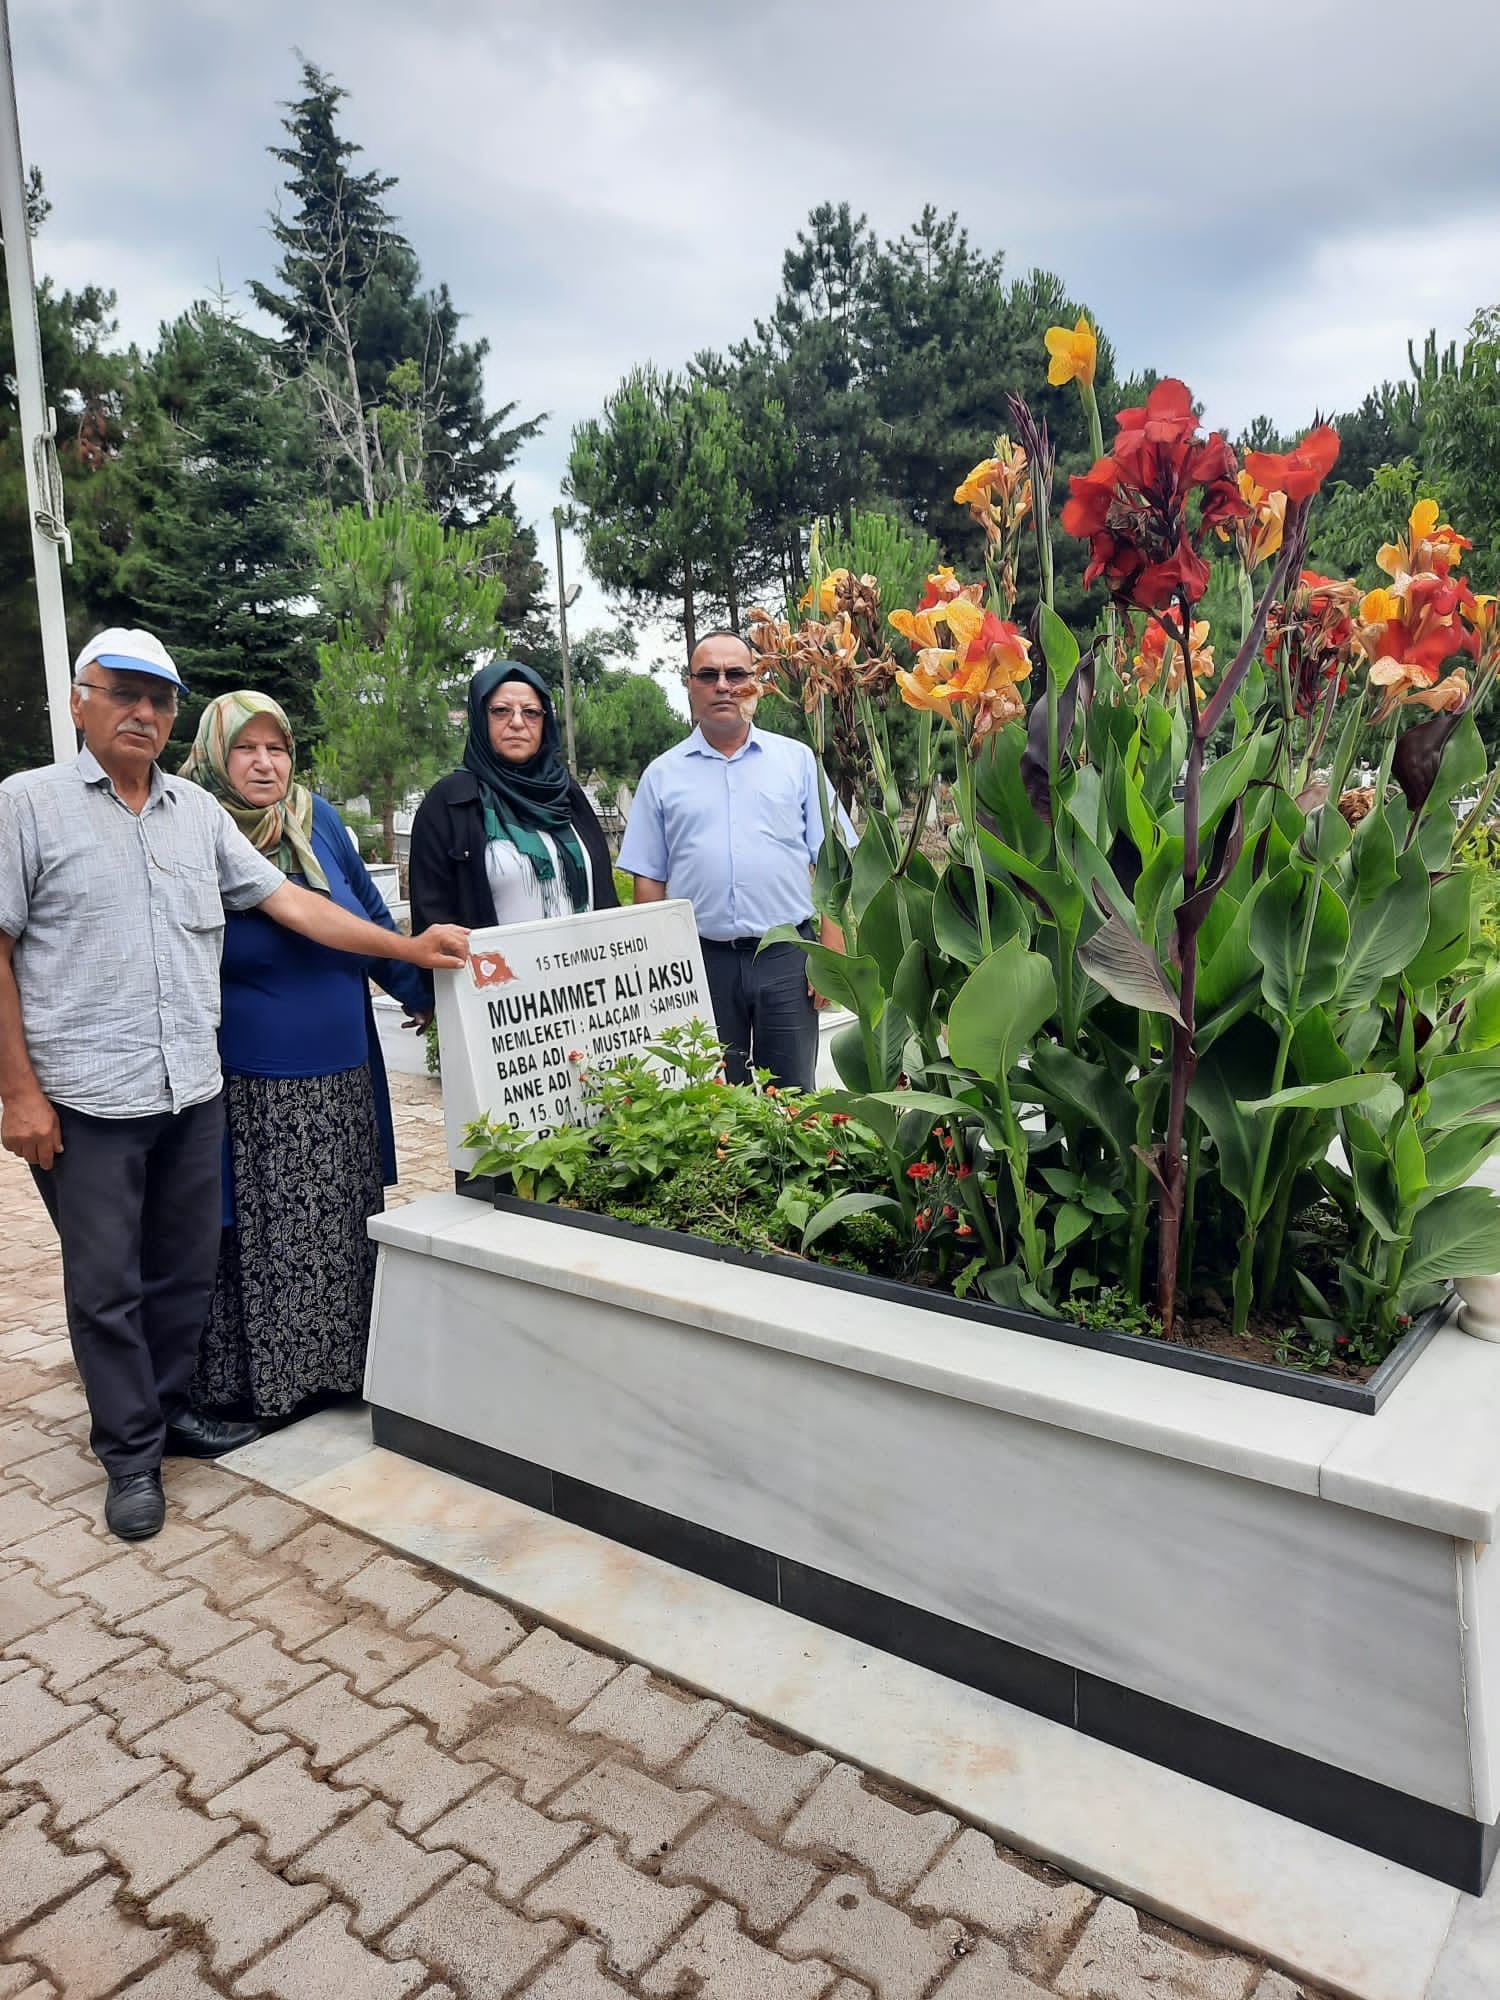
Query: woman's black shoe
134, 1508
197, 1436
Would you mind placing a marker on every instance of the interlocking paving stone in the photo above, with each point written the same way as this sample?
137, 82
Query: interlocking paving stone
633, 1915
126, 1585
476, 1627
762, 1881
893, 1846
180, 1977
377, 1871
153, 1834
454, 1702
393, 1589
20, 1440
83, 1772
258, 1673
533, 1748
141, 1692
89, 1945
178, 1539
714, 1960
328, 1554
73, 1648
418, 1780
25, 1604
194, 1487
1116, 1960
578, 1975
513, 1840
846, 1924
22, 1514
285, 1805
34, 1870
297, 1615
30, 1716
24, 1981
63, 1470
553, 1667
229, 1573
211, 1745
657, 1723
66, 1548
733, 1761
646, 1814
323, 1961
242, 1907
259, 1520
333, 1723
974, 1882
986, 1973
481, 1948
187, 1628
368, 1652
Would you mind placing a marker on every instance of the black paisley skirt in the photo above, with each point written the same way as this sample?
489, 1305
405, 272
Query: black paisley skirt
290, 1318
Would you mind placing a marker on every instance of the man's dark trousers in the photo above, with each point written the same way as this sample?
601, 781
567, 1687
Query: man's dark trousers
137, 1203
762, 1009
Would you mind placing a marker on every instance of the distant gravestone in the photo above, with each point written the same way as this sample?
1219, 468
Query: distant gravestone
536, 998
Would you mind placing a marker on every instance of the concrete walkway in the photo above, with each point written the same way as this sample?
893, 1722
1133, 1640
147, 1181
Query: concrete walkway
260, 1756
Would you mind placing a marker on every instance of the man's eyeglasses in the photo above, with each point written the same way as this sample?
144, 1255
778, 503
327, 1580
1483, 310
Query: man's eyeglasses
163, 700
711, 676
530, 716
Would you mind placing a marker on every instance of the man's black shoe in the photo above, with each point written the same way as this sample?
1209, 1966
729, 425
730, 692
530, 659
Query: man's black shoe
134, 1508
196, 1436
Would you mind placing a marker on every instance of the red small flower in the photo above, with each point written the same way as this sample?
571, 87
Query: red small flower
575, 1055
922, 1170
963, 1173
833, 1152
947, 1139
1297, 473
922, 1219
949, 1212
838, 1118
964, 1229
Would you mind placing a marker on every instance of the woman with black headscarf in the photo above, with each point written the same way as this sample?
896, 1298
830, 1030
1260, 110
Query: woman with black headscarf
511, 837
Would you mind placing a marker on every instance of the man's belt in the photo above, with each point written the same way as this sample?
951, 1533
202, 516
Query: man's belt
752, 943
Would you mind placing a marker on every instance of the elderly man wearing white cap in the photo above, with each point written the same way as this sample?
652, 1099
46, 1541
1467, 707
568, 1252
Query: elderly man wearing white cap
113, 884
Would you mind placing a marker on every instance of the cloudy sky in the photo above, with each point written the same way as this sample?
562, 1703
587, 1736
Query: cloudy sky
1267, 200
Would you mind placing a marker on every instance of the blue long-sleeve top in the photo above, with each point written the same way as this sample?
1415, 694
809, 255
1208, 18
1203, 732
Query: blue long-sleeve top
295, 1008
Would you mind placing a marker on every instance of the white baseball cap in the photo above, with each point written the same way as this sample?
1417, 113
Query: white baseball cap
131, 652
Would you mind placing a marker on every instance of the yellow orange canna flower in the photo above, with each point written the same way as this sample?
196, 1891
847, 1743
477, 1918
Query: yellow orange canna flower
963, 618
1431, 545
1259, 537
927, 686
1160, 653
917, 628
828, 593
1074, 354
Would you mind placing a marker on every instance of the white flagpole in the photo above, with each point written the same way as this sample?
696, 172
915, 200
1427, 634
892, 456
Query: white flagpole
43, 482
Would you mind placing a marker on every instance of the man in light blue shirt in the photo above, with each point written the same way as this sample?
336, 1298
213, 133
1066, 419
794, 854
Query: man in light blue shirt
731, 820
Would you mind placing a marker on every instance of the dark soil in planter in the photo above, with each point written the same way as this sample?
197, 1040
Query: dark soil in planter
1266, 1341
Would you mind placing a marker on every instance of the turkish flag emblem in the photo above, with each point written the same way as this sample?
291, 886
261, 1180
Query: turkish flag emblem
488, 968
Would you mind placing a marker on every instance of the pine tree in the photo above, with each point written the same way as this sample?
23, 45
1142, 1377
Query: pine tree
353, 313
221, 465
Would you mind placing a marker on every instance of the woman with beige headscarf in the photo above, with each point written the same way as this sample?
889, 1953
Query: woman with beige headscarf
310, 1146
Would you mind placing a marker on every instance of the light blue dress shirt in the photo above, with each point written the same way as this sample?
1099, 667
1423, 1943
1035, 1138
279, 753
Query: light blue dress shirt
735, 835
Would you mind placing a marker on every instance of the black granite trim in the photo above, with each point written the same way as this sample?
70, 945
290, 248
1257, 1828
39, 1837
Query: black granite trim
478, 1187
1364, 1397
1430, 1839
721, 1558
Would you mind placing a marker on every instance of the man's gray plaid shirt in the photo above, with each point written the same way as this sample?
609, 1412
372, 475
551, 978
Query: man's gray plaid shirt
119, 920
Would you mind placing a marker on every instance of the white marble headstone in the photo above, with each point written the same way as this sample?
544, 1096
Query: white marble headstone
536, 997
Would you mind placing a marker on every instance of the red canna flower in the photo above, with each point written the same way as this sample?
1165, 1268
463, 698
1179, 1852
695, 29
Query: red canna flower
1132, 507
1297, 473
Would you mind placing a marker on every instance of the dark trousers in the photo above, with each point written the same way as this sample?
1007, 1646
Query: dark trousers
137, 1207
763, 1011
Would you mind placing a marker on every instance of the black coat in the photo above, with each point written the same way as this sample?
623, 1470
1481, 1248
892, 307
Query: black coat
447, 881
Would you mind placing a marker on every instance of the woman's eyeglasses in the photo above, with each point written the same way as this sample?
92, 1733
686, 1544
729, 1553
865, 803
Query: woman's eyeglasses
530, 716
711, 676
